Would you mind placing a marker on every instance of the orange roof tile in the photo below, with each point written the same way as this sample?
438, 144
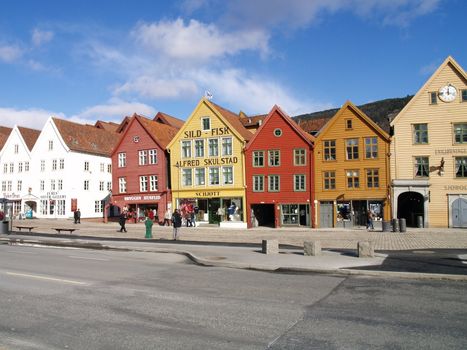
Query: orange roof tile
4, 133
234, 120
164, 118
30, 136
109, 126
161, 133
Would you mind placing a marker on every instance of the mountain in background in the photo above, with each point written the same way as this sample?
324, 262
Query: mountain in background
381, 112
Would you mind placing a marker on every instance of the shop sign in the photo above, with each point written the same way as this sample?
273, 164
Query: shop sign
206, 162
53, 195
451, 151
455, 187
189, 134
11, 195
139, 198
208, 194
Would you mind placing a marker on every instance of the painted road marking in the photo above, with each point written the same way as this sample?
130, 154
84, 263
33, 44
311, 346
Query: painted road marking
46, 278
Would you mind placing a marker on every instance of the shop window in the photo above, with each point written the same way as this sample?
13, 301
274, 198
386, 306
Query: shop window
353, 179
461, 167
372, 178
420, 134
343, 211
371, 147
421, 167
460, 133
299, 183
258, 158
289, 214
351, 147
258, 183
329, 178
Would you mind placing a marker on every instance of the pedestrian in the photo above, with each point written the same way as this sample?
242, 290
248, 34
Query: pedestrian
176, 223
77, 216
188, 219
148, 223
167, 217
369, 225
121, 221
154, 215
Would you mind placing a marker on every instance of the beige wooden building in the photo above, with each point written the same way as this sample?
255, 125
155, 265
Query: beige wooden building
429, 152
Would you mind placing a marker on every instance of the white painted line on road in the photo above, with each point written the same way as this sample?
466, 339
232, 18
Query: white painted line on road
86, 258
46, 278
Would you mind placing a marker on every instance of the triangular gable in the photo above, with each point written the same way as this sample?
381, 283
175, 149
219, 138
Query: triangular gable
307, 137
448, 61
4, 134
229, 118
166, 119
359, 113
50, 124
121, 128
29, 136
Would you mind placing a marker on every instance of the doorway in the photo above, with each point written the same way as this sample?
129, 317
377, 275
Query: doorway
264, 214
409, 206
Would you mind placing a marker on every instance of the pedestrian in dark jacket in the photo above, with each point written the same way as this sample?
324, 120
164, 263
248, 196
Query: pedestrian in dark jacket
177, 223
121, 221
77, 216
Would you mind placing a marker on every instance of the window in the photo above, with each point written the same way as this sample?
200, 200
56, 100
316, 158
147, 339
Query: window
9, 186
19, 185
371, 147
12, 167
109, 168
109, 186
122, 160
186, 149
143, 183
62, 164
101, 185
42, 165
464, 95
214, 176
274, 183
60, 185
460, 133
153, 183
43, 207
299, 183
348, 124
16, 149
353, 180
3, 186
54, 164
200, 176
351, 149
122, 185
329, 178
42, 185
98, 206
86, 185
51, 145
206, 123
143, 157
52, 185
274, 158
186, 177
26, 166
329, 149
421, 166
86, 166
289, 214
227, 146
299, 156
61, 207
20, 167
420, 134
102, 167
433, 98
258, 158
461, 167
227, 175
258, 183
152, 156
5, 168
199, 148
277, 132
372, 178
213, 147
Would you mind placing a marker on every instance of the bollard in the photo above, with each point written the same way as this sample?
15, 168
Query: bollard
365, 250
312, 248
395, 225
402, 225
386, 226
420, 221
270, 246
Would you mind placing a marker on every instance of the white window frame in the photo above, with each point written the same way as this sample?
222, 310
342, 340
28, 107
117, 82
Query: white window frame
213, 175
122, 160
143, 157
153, 183
301, 178
227, 176
199, 176
143, 183
152, 155
121, 185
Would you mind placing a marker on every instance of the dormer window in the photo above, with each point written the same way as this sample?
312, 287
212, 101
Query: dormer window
206, 123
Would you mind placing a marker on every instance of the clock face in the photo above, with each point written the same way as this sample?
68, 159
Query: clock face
447, 93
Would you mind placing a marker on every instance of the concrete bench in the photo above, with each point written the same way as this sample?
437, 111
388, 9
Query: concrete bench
25, 227
59, 230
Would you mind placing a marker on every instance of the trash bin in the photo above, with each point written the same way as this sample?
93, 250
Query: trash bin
386, 226
395, 225
420, 221
5, 227
402, 225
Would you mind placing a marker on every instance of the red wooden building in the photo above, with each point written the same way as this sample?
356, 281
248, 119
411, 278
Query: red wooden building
140, 163
278, 165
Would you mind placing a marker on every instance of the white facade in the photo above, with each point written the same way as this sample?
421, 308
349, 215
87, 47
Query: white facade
65, 180
16, 175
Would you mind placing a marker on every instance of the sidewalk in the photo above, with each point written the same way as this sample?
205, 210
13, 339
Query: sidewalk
210, 246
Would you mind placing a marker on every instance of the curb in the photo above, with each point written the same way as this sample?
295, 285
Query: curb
236, 265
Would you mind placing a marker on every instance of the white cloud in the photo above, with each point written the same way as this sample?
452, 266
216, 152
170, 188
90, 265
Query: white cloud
34, 118
41, 37
10, 53
197, 41
158, 88
115, 109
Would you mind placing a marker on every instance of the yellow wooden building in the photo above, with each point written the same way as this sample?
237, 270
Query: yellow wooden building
351, 170
207, 165
429, 152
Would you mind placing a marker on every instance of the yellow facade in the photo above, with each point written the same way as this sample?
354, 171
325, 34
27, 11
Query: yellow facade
441, 186
224, 176
362, 194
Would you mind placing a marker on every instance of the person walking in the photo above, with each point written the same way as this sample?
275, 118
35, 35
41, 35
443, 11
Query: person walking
167, 217
121, 221
369, 225
148, 223
77, 216
176, 223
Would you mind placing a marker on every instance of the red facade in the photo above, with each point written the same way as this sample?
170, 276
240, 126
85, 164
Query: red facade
279, 186
140, 158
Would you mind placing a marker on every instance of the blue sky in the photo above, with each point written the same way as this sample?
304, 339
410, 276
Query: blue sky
101, 60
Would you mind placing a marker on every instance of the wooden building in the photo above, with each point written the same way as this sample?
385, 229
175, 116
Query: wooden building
429, 152
351, 170
279, 168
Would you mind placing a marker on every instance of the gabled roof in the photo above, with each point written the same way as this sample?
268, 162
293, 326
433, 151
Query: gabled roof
359, 113
448, 61
4, 133
109, 126
276, 109
253, 120
164, 118
232, 118
86, 138
121, 128
313, 125
161, 133
30, 136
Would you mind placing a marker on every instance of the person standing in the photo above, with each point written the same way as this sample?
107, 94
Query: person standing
177, 223
148, 223
77, 216
121, 221
167, 217
369, 225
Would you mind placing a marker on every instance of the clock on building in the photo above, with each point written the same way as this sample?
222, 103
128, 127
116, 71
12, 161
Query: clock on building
447, 93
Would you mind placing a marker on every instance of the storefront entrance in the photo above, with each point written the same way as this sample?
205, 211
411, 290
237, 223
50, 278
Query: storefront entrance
459, 213
263, 215
409, 206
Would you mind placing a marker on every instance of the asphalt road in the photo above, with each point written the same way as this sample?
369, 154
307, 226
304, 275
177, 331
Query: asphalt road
55, 298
